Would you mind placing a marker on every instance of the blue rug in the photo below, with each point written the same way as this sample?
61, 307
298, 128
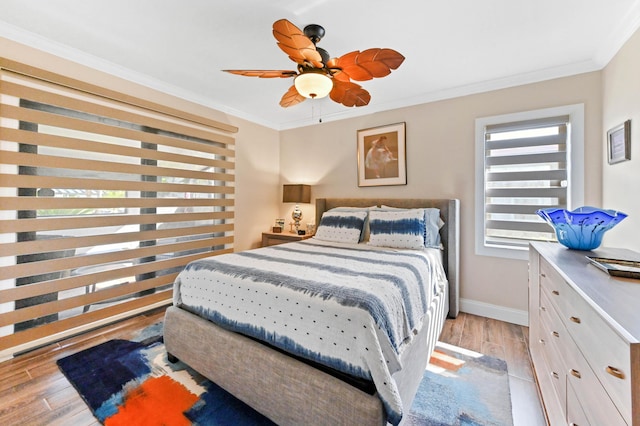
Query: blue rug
462, 387
132, 383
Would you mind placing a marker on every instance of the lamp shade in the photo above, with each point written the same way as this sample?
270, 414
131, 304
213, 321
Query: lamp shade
313, 85
296, 193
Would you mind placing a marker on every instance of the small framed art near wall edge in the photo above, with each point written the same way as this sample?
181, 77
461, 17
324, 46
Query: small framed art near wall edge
382, 156
619, 143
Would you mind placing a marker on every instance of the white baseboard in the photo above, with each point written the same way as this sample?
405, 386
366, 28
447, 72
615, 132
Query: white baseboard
515, 316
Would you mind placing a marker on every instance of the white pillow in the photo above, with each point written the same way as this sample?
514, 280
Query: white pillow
397, 228
341, 227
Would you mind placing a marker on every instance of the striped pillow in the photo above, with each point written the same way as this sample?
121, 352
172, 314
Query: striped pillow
364, 236
432, 223
397, 228
341, 227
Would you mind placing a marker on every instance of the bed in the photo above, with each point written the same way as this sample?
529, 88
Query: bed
293, 383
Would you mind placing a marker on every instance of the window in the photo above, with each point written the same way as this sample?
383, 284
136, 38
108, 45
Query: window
104, 198
525, 162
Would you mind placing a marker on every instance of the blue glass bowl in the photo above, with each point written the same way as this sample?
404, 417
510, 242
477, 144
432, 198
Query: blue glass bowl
582, 228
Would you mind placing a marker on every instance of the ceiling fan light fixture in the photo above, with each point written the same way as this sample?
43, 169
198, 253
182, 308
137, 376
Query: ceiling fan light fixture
313, 85
319, 75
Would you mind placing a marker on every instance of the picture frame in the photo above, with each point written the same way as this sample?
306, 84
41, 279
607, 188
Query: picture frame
382, 156
619, 143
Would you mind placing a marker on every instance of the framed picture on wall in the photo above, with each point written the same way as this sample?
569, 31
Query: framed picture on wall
619, 143
382, 156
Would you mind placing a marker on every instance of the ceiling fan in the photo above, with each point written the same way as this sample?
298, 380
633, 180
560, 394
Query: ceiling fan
319, 75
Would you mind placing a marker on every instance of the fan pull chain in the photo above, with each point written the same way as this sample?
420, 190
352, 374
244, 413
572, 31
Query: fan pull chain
313, 112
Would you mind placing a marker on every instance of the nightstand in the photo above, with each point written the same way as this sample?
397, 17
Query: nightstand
275, 238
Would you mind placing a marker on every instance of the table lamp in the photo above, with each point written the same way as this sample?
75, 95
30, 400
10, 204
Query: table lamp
296, 193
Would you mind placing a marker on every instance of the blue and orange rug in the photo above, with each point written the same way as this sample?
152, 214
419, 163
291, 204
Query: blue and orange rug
132, 383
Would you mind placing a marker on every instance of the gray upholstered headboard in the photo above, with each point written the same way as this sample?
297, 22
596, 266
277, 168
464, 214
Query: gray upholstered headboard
449, 233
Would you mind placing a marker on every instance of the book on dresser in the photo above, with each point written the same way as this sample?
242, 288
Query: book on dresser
584, 327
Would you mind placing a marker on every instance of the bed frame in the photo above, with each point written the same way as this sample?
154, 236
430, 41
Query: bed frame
291, 392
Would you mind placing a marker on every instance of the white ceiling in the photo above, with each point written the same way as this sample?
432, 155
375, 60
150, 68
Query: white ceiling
452, 48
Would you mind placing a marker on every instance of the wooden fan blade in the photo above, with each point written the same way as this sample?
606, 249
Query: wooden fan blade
332, 63
341, 76
305, 57
264, 73
349, 94
291, 98
336, 72
295, 44
371, 63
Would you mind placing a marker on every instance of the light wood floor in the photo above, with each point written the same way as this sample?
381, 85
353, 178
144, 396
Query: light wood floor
506, 341
34, 392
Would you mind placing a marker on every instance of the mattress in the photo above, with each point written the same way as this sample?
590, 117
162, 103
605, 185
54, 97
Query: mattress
351, 307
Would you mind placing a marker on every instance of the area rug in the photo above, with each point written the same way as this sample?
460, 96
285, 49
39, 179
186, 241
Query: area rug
462, 387
132, 383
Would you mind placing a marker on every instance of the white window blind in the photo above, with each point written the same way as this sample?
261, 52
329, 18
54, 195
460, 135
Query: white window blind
103, 199
525, 161
525, 170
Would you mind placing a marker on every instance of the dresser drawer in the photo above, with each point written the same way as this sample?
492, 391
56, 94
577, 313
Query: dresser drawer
597, 405
552, 354
554, 330
575, 413
608, 354
550, 280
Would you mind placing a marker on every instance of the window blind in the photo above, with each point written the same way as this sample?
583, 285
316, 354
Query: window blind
104, 198
526, 169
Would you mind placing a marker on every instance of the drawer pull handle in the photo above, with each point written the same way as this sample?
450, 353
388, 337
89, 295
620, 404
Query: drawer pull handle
615, 372
575, 319
543, 275
555, 375
542, 308
556, 293
576, 373
555, 334
543, 342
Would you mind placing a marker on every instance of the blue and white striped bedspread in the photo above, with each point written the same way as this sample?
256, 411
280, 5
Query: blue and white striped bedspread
351, 307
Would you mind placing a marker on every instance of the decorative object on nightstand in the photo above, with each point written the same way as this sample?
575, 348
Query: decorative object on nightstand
297, 193
279, 226
582, 228
311, 228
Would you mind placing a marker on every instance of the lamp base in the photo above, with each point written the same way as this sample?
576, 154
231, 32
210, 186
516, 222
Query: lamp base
296, 215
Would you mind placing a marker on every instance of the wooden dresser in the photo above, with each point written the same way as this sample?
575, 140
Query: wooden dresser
584, 331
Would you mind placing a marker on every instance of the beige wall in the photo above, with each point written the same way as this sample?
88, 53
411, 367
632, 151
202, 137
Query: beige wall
257, 147
621, 181
257, 182
440, 163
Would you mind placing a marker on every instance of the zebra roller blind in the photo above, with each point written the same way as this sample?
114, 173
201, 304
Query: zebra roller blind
103, 199
526, 168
